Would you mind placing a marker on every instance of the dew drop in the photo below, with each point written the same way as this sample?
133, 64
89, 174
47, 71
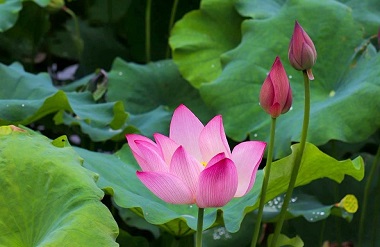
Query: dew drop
212, 65
255, 135
290, 76
22, 105
332, 93
120, 73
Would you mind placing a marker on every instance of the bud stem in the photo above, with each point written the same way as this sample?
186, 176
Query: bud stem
367, 188
297, 161
148, 13
265, 184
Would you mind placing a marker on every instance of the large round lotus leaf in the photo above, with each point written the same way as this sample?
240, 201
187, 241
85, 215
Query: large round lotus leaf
47, 198
202, 36
9, 10
344, 95
118, 177
367, 12
144, 88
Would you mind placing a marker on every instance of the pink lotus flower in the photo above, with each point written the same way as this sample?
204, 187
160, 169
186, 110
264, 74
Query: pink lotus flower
302, 54
194, 164
276, 94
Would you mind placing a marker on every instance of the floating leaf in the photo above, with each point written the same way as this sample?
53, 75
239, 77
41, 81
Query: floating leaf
47, 195
118, 178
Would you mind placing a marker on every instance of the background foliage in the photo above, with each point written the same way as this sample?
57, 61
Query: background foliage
95, 70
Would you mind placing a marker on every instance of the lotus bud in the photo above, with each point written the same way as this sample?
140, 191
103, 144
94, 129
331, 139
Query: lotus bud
276, 94
302, 54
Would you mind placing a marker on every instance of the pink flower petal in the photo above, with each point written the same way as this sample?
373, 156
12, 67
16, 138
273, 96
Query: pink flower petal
154, 162
185, 129
280, 82
267, 94
187, 168
216, 159
131, 138
288, 103
247, 157
217, 184
167, 187
167, 145
213, 140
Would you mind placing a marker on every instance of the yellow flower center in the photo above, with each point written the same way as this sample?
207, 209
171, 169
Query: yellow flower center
204, 164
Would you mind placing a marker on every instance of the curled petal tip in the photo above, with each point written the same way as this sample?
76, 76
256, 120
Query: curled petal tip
310, 74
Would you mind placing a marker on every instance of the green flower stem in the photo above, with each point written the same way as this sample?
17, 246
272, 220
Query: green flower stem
76, 28
148, 11
198, 241
297, 162
171, 23
367, 188
265, 184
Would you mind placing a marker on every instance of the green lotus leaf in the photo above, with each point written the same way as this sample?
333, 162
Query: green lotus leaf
315, 165
327, 191
9, 10
48, 198
284, 240
149, 92
143, 88
44, 3
118, 177
26, 98
202, 36
345, 79
307, 206
367, 12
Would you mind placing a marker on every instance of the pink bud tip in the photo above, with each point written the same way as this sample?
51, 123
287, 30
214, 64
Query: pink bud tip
302, 54
276, 94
